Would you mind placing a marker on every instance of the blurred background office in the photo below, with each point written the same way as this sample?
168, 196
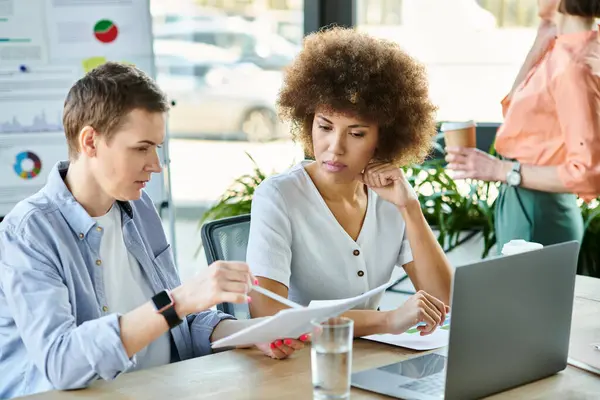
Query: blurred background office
222, 62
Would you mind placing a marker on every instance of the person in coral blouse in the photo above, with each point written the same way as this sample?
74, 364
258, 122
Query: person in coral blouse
549, 143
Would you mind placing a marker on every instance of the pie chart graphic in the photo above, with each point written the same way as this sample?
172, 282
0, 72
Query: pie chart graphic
27, 165
106, 31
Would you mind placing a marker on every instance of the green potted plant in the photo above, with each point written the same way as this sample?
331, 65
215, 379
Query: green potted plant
237, 198
589, 255
456, 214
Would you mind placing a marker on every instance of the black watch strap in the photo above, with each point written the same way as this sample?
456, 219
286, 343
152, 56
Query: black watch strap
171, 316
165, 305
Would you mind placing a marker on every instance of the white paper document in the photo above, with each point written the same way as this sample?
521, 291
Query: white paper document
583, 366
412, 339
292, 323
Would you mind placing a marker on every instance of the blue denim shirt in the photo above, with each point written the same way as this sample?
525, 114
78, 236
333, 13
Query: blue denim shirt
55, 331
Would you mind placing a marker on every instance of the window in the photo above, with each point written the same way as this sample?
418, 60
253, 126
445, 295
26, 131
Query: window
472, 49
222, 62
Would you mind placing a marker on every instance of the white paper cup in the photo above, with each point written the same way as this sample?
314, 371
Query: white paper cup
459, 134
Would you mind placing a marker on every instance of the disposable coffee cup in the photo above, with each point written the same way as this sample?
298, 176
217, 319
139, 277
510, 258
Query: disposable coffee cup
459, 134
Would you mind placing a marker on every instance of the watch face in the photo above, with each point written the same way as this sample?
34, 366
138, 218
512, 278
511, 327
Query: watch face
513, 178
162, 300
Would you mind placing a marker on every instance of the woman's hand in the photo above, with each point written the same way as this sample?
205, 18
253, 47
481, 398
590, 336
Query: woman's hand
389, 182
419, 308
281, 349
475, 164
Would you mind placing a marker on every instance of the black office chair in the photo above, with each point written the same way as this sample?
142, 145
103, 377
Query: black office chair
227, 239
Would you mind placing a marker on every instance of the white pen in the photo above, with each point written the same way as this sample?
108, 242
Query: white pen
276, 297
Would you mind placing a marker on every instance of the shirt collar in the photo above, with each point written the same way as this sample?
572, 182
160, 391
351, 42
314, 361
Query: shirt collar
75, 215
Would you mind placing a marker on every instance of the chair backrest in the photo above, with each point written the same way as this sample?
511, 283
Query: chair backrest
227, 239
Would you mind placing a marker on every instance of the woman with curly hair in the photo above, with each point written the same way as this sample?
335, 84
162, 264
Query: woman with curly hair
337, 226
549, 139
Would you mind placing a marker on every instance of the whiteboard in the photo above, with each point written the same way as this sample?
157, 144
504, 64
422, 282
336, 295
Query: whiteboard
45, 46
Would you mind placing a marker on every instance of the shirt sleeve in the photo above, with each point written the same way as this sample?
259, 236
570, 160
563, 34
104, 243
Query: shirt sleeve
269, 253
69, 356
505, 102
405, 255
202, 326
577, 96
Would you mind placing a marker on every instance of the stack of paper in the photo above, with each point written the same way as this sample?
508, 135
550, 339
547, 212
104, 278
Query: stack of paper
294, 322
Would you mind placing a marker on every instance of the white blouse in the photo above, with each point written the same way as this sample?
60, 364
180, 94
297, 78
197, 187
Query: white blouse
296, 240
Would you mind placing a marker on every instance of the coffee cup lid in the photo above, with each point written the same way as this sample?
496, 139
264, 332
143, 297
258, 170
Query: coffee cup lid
519, 246
452, 126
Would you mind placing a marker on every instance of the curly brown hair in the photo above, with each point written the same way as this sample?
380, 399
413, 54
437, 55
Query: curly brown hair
352, 73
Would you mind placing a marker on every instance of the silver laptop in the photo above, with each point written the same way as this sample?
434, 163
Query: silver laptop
511, 321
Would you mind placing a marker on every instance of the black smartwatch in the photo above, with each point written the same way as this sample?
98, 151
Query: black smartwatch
165, 305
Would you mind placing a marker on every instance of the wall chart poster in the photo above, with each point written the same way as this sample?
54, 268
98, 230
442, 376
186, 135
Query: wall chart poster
45, 46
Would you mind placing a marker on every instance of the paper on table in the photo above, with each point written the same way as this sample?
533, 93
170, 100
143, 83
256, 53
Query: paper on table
411, 339
583, 366
584, 337
293, 322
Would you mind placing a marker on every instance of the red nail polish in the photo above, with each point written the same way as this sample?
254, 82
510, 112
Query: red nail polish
255, 282
304, 338
278, 343
287, 342
273, 345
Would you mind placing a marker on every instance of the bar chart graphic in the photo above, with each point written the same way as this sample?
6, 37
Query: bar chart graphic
39, 123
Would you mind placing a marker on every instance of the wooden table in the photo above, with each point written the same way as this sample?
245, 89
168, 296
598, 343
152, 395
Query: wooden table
247, 374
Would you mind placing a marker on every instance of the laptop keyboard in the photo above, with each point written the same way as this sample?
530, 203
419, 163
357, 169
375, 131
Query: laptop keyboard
432, 385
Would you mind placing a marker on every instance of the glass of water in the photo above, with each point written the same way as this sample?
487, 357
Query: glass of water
331, 358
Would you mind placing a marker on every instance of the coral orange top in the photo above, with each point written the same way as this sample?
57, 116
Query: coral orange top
553, 117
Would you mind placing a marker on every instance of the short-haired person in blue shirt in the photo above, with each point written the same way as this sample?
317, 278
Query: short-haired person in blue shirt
88, 285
